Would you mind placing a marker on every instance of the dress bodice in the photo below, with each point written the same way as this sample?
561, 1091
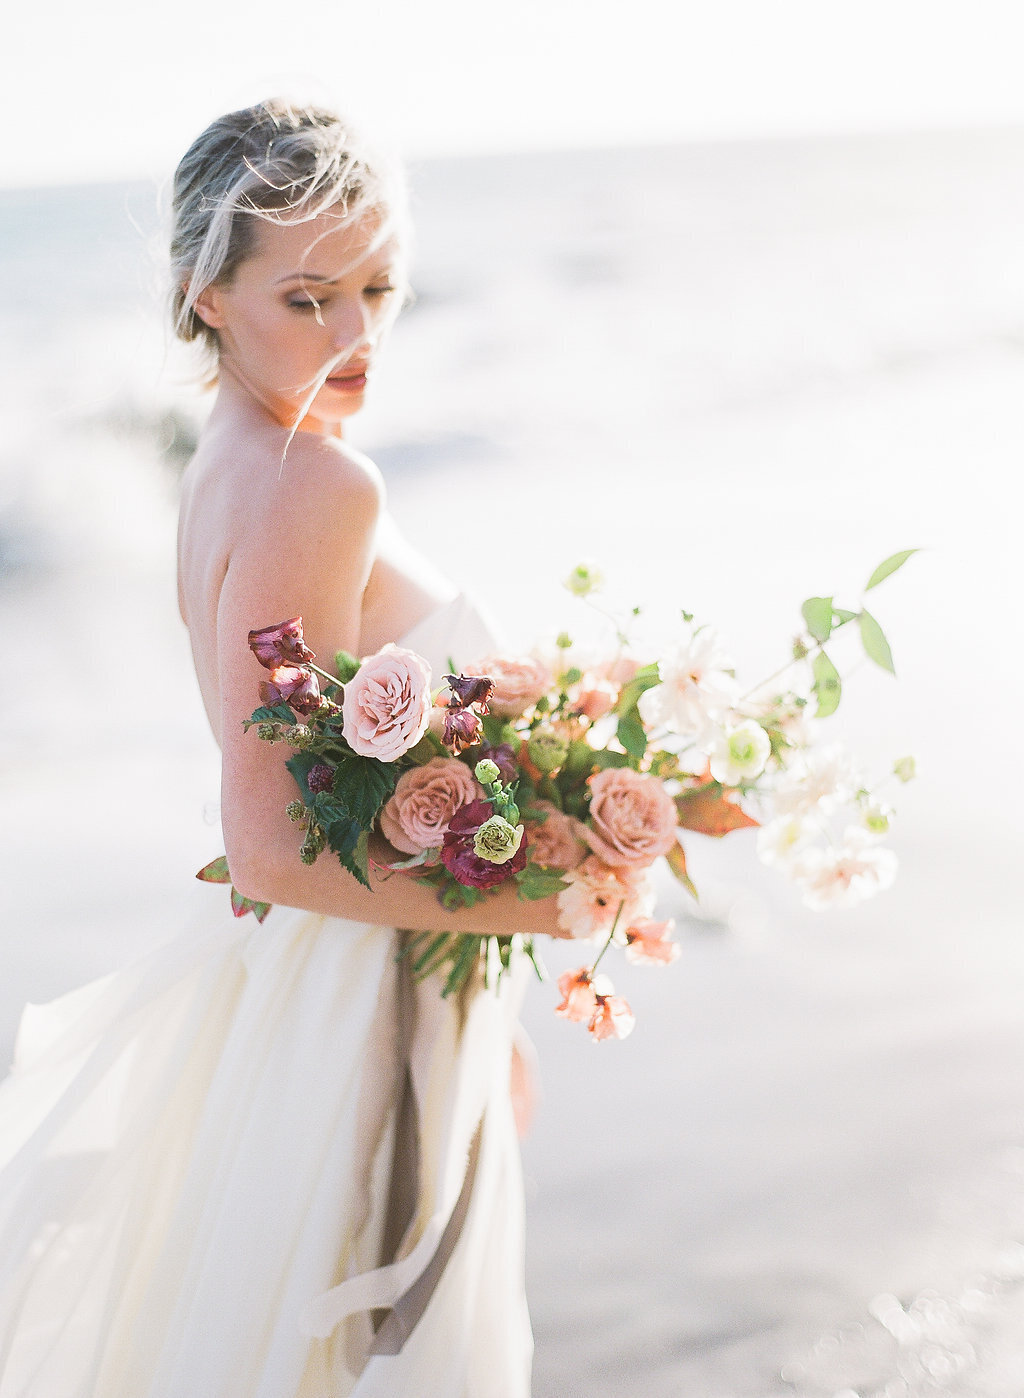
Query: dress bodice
457, 631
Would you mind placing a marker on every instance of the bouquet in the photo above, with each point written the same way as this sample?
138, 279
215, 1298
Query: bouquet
572, 776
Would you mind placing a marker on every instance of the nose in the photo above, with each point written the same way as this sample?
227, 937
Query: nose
351, 329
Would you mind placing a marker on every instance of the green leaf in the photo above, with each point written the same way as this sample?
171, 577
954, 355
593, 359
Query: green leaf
579, 763
875, 644
536, 881
240, 905
216, 871
676, 860
644, 679
840, 615
346, 665
428, 747
609, 758
817, 613
300, 764
827, 685
362, 785
889, 566
632, 734
273, 713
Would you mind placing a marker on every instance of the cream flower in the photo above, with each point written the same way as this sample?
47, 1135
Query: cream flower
781, 841
822, 778
738, 753
694, 689
839, 878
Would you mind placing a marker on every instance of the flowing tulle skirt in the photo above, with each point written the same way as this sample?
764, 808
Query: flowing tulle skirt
261, 1163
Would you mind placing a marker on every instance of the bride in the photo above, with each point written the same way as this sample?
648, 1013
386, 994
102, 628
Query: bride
262, 1162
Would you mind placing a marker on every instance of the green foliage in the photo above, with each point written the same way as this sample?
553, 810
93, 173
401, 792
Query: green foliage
875, 644
362, 785
632, 735
579, 763
216, 871
608, 758
644, 679
827, 685
536, 881
887, 567
346, 665
273, 713
240, 905
817, 613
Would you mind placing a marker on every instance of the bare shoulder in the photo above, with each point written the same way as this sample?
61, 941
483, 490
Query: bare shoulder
322, 483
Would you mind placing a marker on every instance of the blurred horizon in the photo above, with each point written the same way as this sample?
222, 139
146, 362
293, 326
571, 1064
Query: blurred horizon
114, 92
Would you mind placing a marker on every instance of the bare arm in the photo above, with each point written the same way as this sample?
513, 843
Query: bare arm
308, 548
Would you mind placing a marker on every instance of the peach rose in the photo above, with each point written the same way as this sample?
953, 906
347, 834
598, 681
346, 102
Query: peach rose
387, 704
555, 841
424, 801
519, 681
632, 817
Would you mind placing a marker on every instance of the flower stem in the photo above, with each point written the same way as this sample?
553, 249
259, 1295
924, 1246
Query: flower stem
608, 943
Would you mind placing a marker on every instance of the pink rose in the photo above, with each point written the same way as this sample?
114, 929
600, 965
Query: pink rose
387, 704
632, 817
424, 801
555, 841
518, 682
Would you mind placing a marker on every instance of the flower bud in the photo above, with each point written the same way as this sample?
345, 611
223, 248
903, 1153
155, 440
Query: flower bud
269, 732
584, 579
298, 735
563, 640
487, 772
547, 750
905, 769
296, 811
462, 729
313, 845
497, 841
877, 817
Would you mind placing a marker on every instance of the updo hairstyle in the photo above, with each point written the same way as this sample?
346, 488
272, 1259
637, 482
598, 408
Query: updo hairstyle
276, 162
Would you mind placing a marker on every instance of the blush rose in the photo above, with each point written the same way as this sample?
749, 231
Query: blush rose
386, 706
556, 840
417, 816
519, 681
632, 817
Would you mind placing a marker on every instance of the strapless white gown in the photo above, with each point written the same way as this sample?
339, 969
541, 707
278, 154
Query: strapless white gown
261, 1163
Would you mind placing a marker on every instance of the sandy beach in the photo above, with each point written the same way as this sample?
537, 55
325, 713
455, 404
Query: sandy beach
737, 375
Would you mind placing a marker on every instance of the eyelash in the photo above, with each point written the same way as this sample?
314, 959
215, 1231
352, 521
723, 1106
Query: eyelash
307, 305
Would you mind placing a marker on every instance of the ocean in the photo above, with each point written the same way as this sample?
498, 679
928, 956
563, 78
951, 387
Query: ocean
735, 374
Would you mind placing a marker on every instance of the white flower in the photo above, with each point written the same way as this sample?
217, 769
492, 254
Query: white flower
738, 753
839, 878
820, 777
781, 841
694, 688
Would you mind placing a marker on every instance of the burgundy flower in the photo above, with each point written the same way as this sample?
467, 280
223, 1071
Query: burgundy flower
292, 685
280, 645
459, 857
462, 729
471, 689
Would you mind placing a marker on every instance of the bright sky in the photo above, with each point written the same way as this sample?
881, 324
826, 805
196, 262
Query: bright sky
120, 87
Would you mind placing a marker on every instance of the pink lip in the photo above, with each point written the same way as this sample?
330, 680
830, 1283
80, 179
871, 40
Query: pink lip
352, 382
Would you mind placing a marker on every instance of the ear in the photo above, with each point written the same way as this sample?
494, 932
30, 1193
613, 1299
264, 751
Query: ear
208, 308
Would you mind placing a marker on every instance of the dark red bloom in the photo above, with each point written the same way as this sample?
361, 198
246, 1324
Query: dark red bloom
471, 689
321, 778
459, 858
280, 645
462, 729
292, 685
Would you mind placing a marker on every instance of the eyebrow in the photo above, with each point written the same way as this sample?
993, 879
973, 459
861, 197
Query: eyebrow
322, 280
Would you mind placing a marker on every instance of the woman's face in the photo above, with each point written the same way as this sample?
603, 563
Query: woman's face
300, 323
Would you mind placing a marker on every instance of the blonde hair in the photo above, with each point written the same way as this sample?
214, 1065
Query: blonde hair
275, 162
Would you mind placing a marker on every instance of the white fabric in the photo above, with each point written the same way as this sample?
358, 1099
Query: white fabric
195, 1163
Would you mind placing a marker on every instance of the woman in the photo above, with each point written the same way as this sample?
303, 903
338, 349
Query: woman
263, 1163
